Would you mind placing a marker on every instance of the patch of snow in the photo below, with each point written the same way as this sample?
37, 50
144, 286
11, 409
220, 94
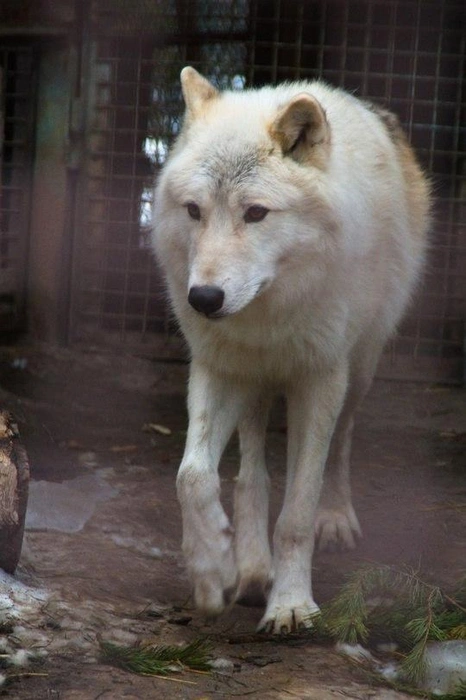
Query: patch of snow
17, 599
39, 623
121, 636
354, 651
221, 664
138, 545
20, 657
19, 602
88, 459
390, 671
446, 666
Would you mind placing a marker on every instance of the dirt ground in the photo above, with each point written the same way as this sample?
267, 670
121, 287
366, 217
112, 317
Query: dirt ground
121, 576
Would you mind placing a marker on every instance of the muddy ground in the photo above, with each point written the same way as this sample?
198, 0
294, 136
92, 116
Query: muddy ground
121, 576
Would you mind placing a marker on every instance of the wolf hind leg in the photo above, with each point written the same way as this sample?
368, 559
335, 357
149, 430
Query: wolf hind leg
253, 554
336, 524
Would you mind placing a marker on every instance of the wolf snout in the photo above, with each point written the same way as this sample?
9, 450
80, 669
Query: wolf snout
207, 299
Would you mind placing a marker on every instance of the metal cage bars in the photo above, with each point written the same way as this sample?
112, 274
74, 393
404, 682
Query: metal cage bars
407, 55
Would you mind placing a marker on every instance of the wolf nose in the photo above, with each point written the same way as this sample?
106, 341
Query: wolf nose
207, 299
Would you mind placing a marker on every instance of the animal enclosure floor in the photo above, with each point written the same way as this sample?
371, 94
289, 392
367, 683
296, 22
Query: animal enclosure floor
105, 435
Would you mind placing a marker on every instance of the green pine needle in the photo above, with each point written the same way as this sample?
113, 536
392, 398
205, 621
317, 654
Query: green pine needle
375, 604
158, 660
457, 632
385, 604
458, 694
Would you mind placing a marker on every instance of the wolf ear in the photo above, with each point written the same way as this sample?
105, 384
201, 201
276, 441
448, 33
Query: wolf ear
302, 130
196, 91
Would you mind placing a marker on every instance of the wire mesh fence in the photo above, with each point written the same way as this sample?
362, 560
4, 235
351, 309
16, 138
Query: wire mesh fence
408, 55
17, 121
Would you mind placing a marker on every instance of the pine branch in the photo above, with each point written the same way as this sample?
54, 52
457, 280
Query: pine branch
382, 603
458, 694
458, 632
158, 660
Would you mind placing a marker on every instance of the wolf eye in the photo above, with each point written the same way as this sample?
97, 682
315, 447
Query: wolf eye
255, 214
194, 211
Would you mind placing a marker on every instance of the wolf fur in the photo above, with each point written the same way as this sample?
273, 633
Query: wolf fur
291, 224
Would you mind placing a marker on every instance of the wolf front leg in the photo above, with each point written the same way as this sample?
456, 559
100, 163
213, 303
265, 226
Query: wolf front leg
314, 402
252, 508
214, 406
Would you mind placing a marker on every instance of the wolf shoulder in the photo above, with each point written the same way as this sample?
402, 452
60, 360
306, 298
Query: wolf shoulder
370, 143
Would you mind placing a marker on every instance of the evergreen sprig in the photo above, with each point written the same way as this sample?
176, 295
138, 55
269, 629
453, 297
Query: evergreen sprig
156, 659
386, 604
458, 694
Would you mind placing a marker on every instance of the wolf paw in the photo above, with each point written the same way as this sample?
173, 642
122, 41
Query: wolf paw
213, 593
214, 575
253, 592
283, 620
337, 528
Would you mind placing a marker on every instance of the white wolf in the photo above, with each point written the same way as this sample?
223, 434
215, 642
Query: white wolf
291, 225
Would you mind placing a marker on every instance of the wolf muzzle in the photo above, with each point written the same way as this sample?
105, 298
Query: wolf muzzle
207, 299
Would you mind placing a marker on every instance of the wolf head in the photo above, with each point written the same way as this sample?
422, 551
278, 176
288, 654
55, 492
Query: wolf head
242, 195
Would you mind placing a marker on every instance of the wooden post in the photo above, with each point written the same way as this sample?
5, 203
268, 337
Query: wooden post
14, 483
